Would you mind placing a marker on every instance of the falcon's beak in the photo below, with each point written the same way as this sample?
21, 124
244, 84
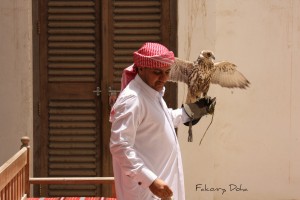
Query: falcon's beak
213, 57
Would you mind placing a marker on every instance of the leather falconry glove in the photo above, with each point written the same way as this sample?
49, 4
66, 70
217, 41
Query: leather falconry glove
195, 111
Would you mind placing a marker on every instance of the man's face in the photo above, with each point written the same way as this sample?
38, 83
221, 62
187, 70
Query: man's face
155, 78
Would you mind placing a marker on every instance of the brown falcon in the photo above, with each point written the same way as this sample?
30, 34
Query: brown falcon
200, 74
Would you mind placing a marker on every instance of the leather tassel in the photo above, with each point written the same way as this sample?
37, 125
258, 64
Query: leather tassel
190, 137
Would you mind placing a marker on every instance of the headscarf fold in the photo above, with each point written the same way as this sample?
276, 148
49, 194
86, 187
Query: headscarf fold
152, 55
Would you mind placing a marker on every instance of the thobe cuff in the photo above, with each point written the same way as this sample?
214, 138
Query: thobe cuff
145, 178
184, 116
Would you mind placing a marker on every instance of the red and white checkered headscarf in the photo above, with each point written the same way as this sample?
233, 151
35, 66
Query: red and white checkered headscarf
152, 55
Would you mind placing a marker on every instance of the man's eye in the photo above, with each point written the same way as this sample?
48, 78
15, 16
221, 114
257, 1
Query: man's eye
157, 72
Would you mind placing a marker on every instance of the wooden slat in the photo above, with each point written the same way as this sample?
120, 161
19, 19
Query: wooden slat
68, 65
144, 31
137, 11
84, 10
72, 104
75, 45
72, 118
122, 59
141, 3
71, 3
134, 17
71, 146
78, 24
67, 38
72, 131
72, 159
139, 24
71, 51
73, 139
72, 79
74, 152
71, 58
71, 31
72, 111
71, 166
127, 45
120, 66
72, 72
72, 17
134, 38
72, 125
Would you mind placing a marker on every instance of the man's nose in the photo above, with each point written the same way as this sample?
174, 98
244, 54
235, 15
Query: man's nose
164, 77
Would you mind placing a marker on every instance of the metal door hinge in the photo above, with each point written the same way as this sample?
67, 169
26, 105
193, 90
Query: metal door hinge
38, 27
39, 109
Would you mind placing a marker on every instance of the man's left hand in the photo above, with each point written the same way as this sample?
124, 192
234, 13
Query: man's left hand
160, 189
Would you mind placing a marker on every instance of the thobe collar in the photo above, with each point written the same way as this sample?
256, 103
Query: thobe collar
148, 90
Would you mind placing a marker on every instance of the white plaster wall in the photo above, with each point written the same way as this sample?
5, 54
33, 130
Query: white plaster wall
15, 75
254, 137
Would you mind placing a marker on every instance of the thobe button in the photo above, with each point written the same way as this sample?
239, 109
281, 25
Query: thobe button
140, 183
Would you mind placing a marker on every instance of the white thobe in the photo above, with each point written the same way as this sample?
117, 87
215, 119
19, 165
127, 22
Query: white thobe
143, 143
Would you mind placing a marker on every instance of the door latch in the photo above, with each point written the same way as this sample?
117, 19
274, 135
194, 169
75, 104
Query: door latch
113, 95
97, 91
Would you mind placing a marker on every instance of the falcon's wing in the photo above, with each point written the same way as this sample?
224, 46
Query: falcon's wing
226, 75
180, 70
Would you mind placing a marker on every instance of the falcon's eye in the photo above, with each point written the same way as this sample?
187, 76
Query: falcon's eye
209, 54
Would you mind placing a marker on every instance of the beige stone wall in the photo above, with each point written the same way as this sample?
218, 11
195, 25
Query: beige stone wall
15, 75
254, 138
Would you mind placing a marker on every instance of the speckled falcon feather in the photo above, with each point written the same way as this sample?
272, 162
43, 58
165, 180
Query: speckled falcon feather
226, 75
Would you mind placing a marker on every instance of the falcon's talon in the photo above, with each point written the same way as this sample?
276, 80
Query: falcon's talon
207, 98
212, 104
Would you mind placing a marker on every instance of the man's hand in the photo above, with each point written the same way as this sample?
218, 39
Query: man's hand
160, 189
203, 106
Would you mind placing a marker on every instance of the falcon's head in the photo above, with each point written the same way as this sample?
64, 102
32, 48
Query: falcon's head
206, 54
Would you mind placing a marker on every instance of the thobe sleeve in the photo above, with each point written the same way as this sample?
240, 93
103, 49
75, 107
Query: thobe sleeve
125, 118
178, 116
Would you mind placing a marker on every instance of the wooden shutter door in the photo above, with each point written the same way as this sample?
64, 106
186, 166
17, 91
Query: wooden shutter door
85, 44
70, 111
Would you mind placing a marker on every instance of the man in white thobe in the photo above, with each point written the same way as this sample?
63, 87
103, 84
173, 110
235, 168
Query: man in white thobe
146, 155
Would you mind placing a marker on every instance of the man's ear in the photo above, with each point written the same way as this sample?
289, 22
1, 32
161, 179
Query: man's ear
140, 70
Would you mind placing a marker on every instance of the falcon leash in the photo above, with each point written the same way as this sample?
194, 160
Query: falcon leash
212, 118
190, 137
